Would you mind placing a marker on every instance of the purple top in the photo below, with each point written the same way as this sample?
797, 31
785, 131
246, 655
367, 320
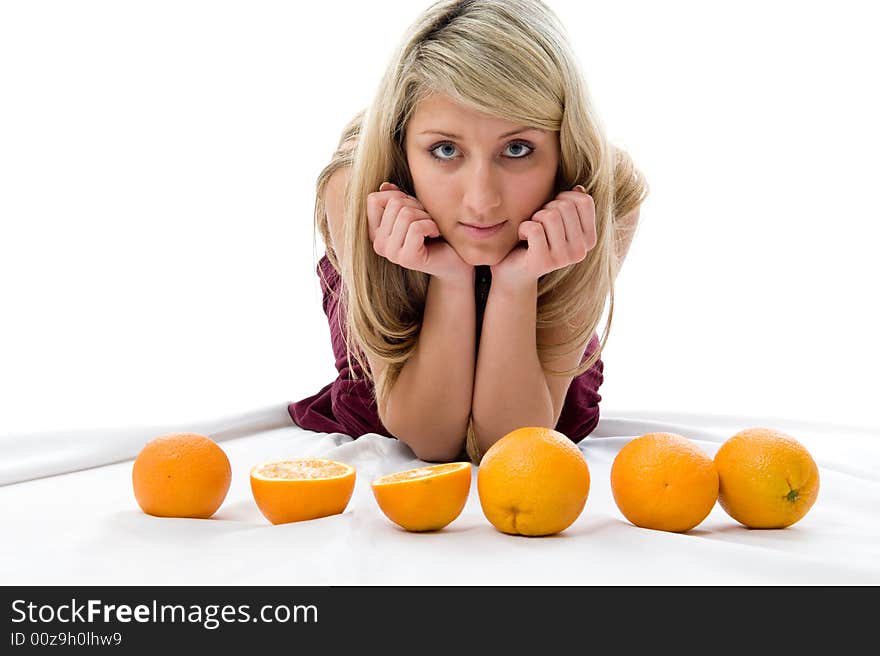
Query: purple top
348, 406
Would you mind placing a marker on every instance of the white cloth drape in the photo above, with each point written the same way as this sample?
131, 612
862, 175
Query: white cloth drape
69, 517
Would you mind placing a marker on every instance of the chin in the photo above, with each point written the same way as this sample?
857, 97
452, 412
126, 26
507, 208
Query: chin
490, 261
480, 256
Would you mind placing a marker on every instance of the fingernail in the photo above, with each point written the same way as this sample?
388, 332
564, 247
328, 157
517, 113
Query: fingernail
581, 189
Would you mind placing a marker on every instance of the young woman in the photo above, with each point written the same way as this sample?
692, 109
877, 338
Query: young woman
475, 217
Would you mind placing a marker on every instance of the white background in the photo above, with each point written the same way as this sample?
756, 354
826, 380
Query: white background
157, 176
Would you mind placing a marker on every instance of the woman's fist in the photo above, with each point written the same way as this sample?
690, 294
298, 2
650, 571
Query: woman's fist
399, 228
559, 234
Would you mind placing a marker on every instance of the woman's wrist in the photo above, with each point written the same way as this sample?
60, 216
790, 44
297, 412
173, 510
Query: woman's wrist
462, 278
508, 285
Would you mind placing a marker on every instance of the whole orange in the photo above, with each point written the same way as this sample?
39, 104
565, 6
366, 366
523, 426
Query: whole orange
768, 479
663, 481
181, 475
533, 481
301, 489
425, 498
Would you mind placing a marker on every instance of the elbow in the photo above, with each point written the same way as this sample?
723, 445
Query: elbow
491, 428
486, 437
485, 442
447, 456
429, 445
435, 453
430, 448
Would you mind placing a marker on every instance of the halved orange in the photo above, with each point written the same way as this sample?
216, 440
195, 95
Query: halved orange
302, 488
425, 498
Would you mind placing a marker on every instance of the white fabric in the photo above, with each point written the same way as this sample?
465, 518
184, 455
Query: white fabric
84, 527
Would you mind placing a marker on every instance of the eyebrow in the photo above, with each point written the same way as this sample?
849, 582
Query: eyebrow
523, 128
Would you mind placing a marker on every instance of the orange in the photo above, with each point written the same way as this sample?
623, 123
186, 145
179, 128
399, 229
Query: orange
181, 475
663, 481
768, 478
302, 488
425, 498
533, 481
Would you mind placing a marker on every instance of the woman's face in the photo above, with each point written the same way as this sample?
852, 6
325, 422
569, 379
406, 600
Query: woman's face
484, 171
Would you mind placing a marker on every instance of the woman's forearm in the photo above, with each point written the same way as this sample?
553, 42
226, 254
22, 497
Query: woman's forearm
510, 388
430, 402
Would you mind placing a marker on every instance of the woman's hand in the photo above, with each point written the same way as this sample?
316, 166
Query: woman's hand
559, 234
399, 229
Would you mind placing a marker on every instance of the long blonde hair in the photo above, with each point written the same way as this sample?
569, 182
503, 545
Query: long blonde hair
510, 59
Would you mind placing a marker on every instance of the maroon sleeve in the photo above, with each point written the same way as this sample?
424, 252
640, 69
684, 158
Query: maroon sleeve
580, 410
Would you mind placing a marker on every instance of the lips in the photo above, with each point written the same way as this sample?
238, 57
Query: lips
480, 233
481, 227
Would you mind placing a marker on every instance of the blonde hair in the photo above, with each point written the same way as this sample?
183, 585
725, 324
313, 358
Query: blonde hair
510, 59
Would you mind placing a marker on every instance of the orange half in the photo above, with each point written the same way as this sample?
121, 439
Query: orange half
425, 498
302, 488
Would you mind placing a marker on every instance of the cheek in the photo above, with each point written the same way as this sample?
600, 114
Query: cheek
531, 194
434, 191
423, 181
534, 187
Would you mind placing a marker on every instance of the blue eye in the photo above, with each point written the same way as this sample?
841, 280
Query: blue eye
512, 144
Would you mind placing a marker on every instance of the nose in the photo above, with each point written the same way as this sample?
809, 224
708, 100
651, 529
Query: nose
482, 196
